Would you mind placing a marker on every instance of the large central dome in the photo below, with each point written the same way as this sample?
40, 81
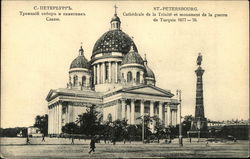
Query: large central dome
113, 41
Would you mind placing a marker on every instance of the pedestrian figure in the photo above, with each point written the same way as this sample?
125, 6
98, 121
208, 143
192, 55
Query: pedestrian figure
27, 141
207, 144
43, 140
92, 145
72, 140
235, 140
190, 140
105, 139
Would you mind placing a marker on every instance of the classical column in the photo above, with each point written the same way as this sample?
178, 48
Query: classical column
169, 115
87, 81
128, 114
176, 119
52, 119
142, 107
94, 73
60, 118
165, 116
103, 72
68, 109
57, 115
151, 110
116, 72
160, 111
98, 74
123, 109
132, 111
54, 124
173, 117
109, 75
49, 121
141, 77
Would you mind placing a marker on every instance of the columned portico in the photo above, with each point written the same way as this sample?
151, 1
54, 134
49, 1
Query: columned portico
132, 109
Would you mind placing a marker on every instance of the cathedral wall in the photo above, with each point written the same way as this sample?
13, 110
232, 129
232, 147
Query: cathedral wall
110, 110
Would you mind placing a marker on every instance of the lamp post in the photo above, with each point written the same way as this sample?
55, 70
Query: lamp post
178, 92
143, 129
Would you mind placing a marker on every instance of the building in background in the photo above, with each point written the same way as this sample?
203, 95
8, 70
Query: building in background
116, 79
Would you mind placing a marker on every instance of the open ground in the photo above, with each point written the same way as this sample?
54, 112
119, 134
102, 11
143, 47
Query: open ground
62, 148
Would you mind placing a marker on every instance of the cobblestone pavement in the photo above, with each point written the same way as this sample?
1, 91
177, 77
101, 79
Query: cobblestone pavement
62, 148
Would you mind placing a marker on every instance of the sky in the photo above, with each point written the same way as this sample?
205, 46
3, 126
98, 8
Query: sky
36, 54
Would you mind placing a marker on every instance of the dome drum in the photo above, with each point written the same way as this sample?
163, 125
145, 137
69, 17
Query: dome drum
80, 70
102, 57
134, 65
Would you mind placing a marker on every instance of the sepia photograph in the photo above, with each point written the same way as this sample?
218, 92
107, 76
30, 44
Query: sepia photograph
124, 79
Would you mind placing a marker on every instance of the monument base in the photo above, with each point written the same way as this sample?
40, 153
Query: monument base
199, 128
198, 134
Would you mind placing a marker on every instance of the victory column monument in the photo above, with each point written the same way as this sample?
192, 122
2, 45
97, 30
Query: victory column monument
199, 124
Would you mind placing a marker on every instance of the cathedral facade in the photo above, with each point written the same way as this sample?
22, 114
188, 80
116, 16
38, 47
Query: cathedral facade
116, 79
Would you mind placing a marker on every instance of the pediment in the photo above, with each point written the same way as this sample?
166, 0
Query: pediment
51, 94
149, 90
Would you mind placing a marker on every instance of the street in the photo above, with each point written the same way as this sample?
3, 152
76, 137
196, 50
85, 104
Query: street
62, 148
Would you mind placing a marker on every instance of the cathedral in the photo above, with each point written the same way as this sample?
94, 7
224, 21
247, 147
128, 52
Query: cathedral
116, 79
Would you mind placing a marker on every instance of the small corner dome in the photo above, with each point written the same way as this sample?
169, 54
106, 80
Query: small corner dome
149, 73
80, 62
133, 57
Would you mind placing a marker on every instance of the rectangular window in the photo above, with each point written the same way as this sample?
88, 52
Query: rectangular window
137, 109
146, 109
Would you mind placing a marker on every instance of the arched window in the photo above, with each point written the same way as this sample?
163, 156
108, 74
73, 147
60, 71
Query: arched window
83, 80
129, 76
75, 80
109, 117
138, 77
106, 71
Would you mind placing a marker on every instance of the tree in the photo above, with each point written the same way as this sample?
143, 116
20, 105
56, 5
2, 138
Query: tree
90, 121
70, 128
146, 120
119, 130
41, 122
159, 128
186, 124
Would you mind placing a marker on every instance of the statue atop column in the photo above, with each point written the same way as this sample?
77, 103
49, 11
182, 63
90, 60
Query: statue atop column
199, 59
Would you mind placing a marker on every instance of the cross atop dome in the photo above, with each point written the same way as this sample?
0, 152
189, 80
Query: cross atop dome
145, 59
115, 21
115, 9
81, 50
